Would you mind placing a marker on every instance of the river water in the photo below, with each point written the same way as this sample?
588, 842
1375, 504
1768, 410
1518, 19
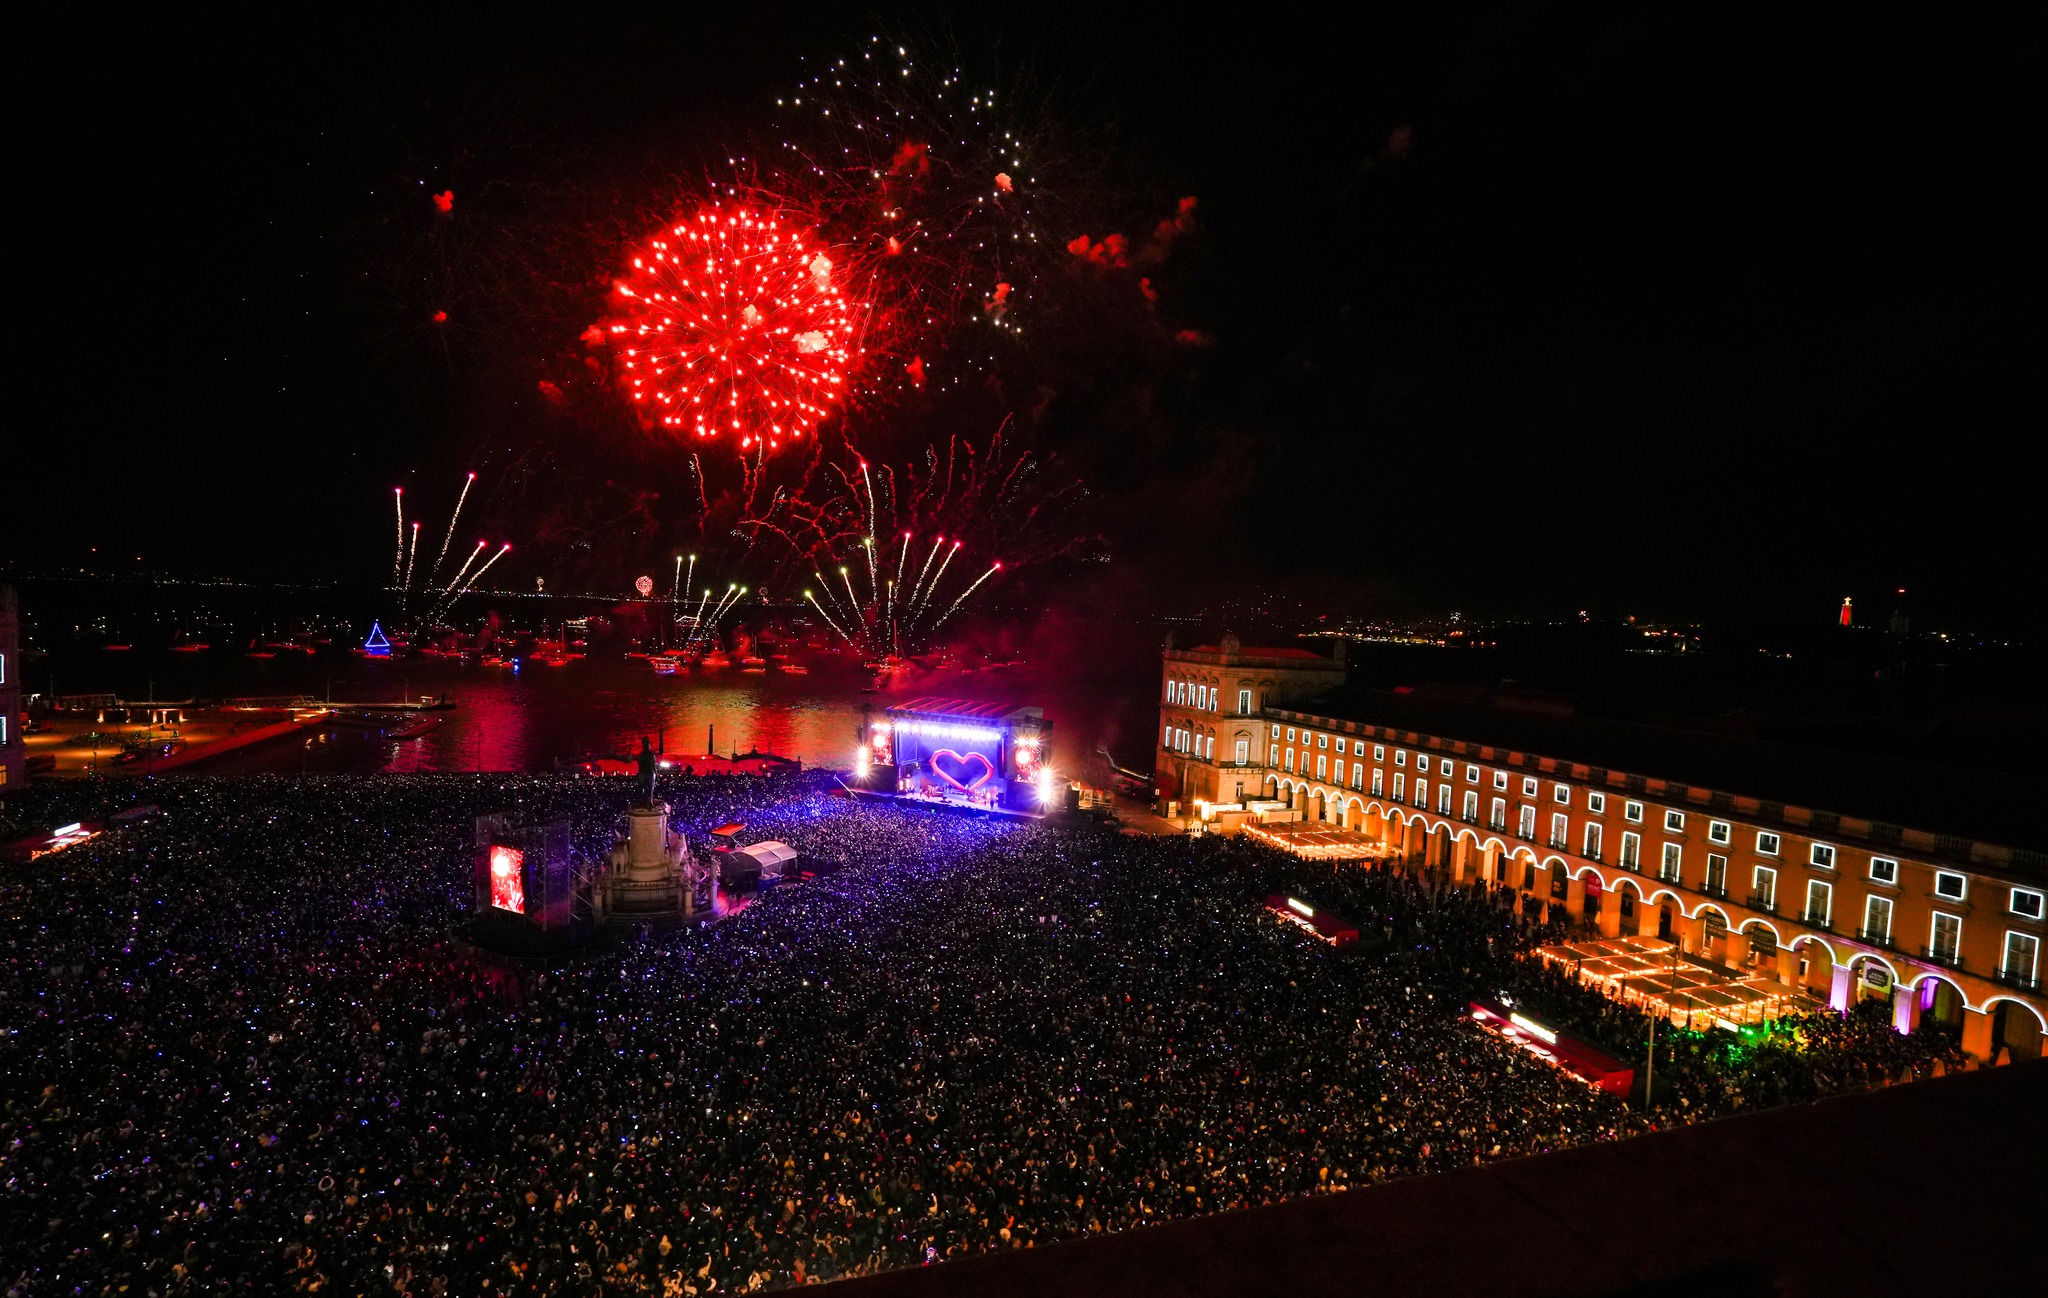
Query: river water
538, 716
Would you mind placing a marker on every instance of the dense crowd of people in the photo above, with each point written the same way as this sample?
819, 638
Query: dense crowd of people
244, 1046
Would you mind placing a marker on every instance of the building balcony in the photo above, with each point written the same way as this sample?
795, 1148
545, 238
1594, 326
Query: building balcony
1558, 844
1812, 920
2014, 978
1594, 856
1631, 865
1874, 937
1946, 959
1768, 905
1716, 890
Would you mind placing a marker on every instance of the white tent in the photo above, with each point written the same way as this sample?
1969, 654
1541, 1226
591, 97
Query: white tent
773, 856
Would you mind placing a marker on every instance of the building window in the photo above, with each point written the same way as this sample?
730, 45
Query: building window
1591, 850
1422, 794
1378, 780
1340, 746
1949, 885
1561, 793
1289, 761
1322, 741
1379, 752
1471, 807
1877, 919
1560, 832
1884, 870
1290, 734
1500, 781
1443, 799
1632, 812
1422, 762
1401, 757
1166, 737
2022, 958
1596, 803
1244, 700
1499, 818
1400, 786
1822, 857
1945, 937
1820, 900
1322, 766
1766, 843
1244, 751
1525, 826
1718, 831
1631, 851
1209, 748
1674, 822
1765, 894
2027, 902
1672, 868
1357, 775
1471, 775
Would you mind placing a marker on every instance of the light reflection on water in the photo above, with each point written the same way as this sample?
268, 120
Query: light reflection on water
540, 716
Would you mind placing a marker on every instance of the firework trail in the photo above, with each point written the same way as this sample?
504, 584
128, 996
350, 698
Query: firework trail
398, 555
993, 569
405, 590
452, 581
937, 577
449, 535
475, 577
697, 619
925, 571
829, 622
988, 499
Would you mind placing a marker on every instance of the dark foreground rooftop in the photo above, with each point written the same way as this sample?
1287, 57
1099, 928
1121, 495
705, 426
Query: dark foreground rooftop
1933, 1188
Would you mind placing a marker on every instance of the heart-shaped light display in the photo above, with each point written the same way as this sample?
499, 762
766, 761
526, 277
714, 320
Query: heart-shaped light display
962, 766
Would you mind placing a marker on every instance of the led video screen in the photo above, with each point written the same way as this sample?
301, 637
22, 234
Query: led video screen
508, 882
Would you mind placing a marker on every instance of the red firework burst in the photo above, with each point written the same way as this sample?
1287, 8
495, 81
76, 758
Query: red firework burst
734, 323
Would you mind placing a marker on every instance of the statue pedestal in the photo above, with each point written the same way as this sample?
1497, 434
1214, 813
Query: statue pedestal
646, 878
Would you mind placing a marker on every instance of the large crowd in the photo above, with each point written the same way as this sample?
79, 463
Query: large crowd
244, 1046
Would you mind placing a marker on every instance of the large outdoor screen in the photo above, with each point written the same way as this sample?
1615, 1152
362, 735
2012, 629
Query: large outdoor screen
508, 883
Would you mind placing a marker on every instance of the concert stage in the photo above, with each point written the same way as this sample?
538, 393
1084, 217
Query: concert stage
989, 757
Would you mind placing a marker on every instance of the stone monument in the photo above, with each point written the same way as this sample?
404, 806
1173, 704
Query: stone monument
647, 875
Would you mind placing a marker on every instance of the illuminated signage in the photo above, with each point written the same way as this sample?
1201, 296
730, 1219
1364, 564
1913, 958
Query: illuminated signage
71, 828
508, 884
1534, 1029
964, 771
1297, 906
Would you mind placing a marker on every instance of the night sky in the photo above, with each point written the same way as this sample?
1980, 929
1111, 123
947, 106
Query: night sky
1515, 311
